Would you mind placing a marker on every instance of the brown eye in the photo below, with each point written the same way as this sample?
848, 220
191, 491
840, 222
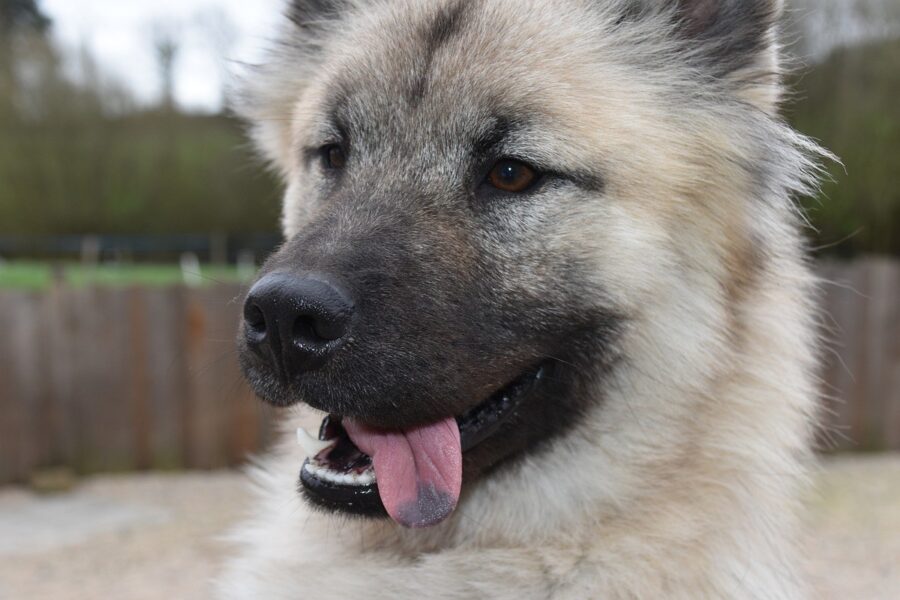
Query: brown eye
333, 157
512, 176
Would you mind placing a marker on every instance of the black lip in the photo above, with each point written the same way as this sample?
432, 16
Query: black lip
475, 426
484, 420
354, 500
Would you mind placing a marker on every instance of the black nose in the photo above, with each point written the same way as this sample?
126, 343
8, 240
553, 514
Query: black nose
296, 323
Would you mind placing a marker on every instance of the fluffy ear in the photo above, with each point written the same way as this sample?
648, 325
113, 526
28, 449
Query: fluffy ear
736, 39
264, 95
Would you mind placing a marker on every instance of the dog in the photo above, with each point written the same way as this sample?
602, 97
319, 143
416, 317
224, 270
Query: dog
543, 292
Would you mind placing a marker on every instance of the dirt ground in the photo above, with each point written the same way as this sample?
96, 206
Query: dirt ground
157, 536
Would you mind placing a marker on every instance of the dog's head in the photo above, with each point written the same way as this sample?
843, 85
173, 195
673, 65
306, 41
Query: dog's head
492, 207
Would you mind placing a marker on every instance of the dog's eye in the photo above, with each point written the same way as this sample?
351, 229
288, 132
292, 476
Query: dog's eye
333, 157
512, 176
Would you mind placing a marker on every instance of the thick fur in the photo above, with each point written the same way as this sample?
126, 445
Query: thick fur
680, 476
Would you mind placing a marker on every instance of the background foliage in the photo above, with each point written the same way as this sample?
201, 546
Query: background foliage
851, 103
78, 156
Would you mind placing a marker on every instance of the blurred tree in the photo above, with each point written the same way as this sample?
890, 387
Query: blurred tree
77, 155
166, 44
18, 19
22, 15
16, 16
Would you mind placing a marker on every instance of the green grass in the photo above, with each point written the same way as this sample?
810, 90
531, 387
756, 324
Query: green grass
18, 275
32, 275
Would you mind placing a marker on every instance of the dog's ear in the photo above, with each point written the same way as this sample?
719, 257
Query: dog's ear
733, 32
265, 95
737, 40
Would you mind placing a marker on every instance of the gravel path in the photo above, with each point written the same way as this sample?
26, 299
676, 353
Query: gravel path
854, 533
155, 536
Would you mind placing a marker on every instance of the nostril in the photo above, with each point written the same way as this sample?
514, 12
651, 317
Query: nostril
304, 332
330, 330
313, 331
255, 319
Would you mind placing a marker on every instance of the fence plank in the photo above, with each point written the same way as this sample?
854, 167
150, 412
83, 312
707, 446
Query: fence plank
831, 433
214, 379
140, 384
888, 385
20, 387
103, 353
167, 378
848, 314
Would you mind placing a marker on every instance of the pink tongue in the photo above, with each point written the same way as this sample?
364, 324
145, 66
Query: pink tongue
419, 471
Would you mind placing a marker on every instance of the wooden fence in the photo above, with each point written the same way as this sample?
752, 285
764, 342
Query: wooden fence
106, 379
861, 371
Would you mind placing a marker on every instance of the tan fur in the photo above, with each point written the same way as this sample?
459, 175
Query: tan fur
683, 482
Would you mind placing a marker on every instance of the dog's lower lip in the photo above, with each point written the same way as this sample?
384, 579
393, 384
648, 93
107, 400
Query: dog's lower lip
352, 486
484, 420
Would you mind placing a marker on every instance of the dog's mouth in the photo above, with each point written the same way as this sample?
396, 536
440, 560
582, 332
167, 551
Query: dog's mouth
413, 475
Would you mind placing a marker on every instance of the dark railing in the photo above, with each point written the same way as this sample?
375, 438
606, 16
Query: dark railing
213, 247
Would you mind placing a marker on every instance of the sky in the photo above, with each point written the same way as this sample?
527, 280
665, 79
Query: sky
121, 34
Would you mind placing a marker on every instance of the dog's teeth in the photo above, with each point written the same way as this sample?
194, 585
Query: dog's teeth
311, 445
325, 473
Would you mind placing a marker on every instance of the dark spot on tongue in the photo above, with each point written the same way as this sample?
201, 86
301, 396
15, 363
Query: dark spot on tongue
430, 508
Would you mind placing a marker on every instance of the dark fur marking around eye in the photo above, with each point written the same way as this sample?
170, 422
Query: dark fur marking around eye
488, 147
447, 24
486, 144
336, 110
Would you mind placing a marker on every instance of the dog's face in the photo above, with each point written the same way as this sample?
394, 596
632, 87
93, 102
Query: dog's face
488, 204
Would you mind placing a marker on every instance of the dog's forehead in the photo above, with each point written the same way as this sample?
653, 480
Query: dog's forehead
451, 76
